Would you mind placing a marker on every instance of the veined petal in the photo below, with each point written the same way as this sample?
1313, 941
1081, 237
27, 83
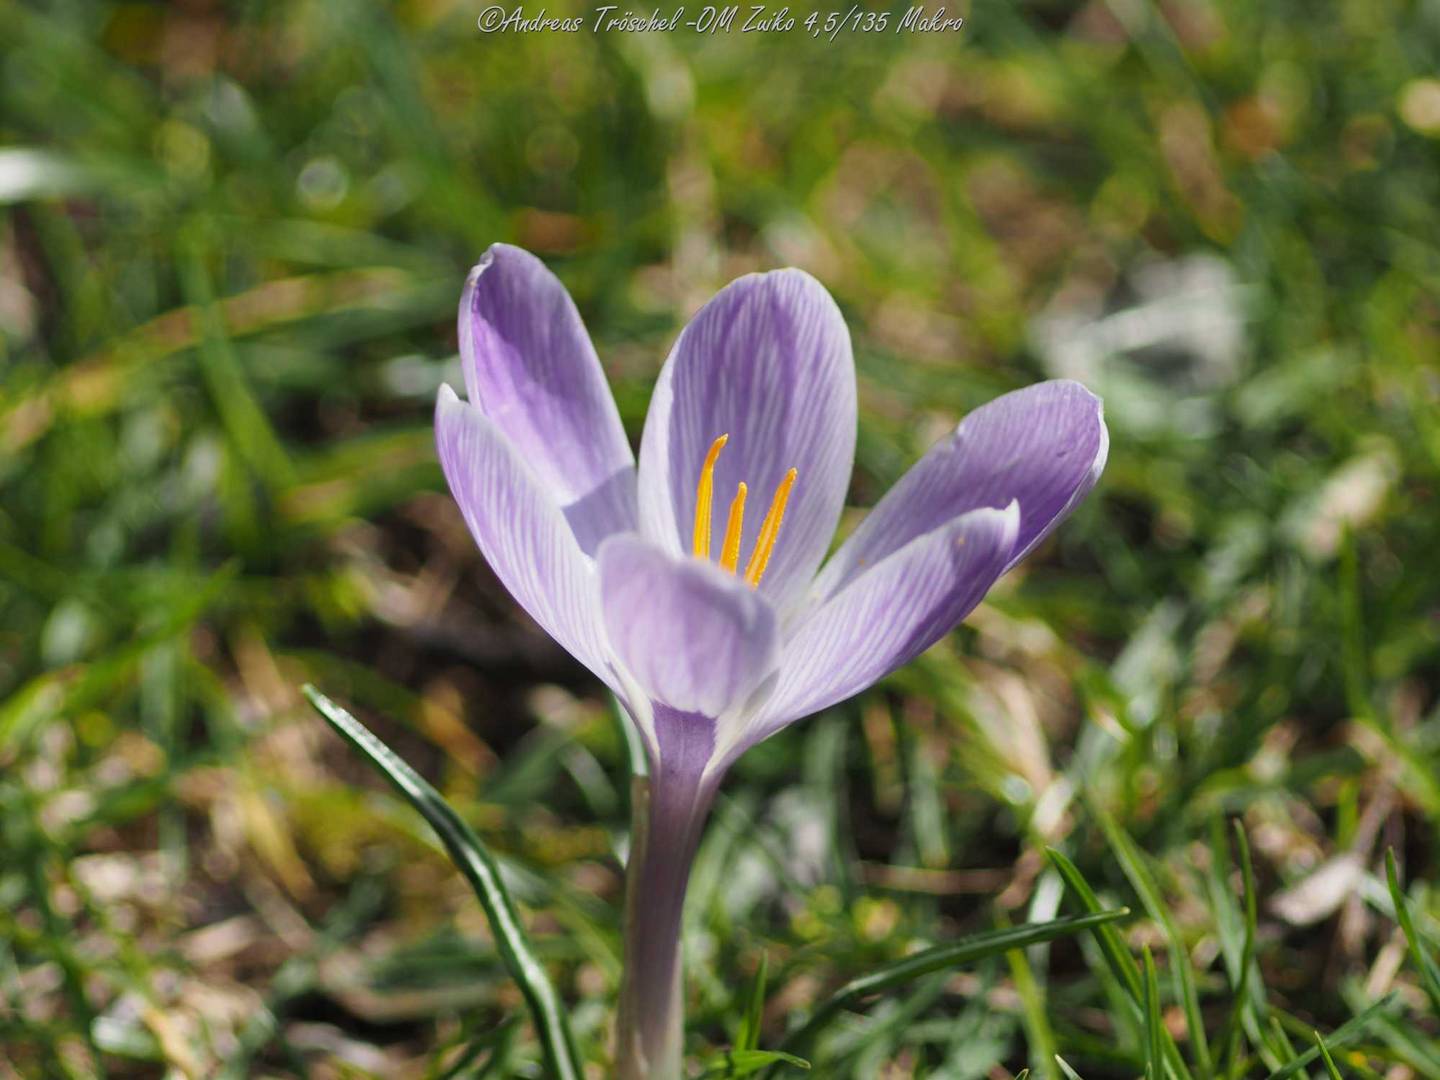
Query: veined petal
694, 639
1044, 445
887, 616
767, 362
531, 368
521, 532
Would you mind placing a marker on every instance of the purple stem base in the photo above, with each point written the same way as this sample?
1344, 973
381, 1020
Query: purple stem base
669, 813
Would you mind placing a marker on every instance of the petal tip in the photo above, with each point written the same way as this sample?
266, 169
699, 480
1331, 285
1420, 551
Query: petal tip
795, 273
446, 401
798, 279
500, 257
804, 281
486, 260
455, 422
1102, 452
1102, 448
1085, 393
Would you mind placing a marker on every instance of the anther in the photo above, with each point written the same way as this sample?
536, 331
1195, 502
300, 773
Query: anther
704, 497
730, 550
769, 530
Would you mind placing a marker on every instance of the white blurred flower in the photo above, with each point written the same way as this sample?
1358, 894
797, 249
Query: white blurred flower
1158, 348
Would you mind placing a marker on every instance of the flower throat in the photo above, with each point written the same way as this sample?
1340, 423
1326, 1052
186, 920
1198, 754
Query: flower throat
730, 546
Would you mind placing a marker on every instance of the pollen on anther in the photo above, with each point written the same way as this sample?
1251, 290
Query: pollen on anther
735, 520
769, 530
704, 499
734, 526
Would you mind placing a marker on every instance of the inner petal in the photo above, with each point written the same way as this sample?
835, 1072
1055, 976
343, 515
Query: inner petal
767, 360
690, 636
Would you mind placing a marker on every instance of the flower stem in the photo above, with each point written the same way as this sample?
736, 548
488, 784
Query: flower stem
668, 812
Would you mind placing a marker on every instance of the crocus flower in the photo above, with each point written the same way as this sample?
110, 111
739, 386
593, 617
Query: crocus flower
708, 615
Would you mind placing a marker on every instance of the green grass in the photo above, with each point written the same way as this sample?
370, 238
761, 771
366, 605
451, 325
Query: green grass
231, 242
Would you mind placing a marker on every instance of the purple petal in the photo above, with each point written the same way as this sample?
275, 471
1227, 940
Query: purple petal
887, 616
521, 532
1044, 446
768, 362
692, 637
530, 367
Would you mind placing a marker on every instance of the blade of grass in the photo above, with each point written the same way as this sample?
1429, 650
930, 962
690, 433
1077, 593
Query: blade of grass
497, 1040
735, 1063
1406, 1044
1032, 1001
1154, 1021
749, 1035
1339, 1037
892, 1028
1117, 958
1132, 862
499, 1058
480, 869
1247, 952
1280, 1043
966, 951
1424, 965
1116, 955
1325, 1054
235, 402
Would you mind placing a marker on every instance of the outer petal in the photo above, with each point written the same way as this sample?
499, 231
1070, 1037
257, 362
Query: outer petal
768, 362
530, 367
521, 531
693, 638
1044, 445
888, 616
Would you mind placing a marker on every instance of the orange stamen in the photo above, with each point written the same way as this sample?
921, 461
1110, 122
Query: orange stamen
704, 497
730, 551
769, 530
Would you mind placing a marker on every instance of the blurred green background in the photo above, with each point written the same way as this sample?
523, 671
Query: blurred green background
232, 237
